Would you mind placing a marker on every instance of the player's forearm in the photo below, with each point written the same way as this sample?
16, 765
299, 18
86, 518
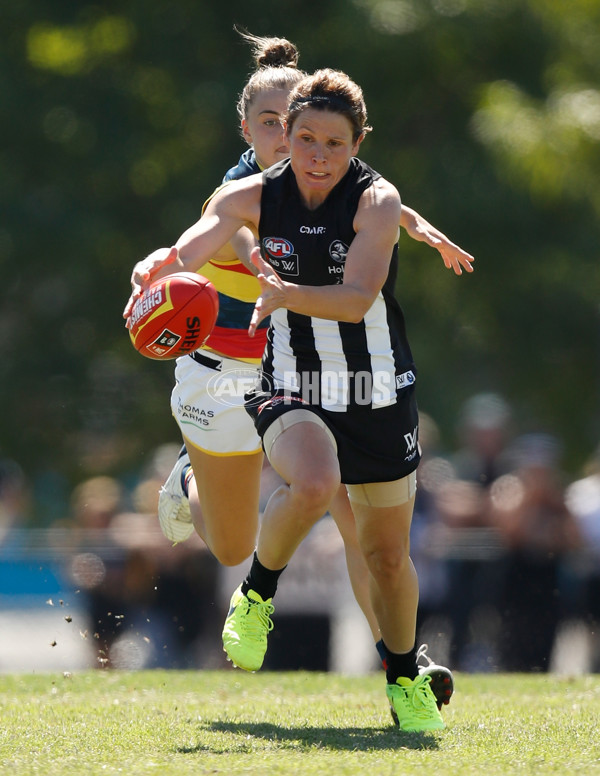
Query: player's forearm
344, 302
416, 226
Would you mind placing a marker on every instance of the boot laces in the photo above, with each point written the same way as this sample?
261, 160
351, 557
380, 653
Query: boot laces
418, 696
257, 621
422, 652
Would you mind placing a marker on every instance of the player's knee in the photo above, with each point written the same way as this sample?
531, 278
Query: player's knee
313, 493
233, 555
388, 563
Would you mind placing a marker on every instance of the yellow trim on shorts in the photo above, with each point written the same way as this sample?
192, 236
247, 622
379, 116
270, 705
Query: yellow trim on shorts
189, 444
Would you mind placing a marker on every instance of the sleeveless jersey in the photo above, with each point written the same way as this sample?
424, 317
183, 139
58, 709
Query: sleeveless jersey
337, 365
238, 290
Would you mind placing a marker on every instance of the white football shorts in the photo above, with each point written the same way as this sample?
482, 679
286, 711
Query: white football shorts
208, 404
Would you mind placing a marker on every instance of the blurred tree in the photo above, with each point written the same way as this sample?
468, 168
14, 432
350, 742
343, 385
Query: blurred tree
120, 118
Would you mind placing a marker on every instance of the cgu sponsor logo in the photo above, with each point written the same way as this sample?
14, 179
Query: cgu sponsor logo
278, 247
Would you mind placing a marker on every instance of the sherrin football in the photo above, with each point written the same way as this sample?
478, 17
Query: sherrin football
174, 316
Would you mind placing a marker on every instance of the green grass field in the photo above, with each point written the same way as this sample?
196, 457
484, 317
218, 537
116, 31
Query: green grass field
229, 722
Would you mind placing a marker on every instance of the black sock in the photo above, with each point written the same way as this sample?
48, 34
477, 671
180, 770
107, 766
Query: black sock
401, 665
262, 580
380, 647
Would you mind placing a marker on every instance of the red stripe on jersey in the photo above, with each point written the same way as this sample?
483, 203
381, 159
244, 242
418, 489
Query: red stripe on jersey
230, 266
235, 343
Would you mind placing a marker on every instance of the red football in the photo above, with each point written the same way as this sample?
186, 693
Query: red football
174, 316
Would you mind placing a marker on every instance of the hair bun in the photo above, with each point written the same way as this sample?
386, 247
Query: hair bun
276, 52
270, 52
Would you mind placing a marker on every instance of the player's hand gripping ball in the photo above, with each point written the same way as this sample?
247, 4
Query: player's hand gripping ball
174, 316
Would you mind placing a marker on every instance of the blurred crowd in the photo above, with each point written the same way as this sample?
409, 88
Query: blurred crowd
506, 547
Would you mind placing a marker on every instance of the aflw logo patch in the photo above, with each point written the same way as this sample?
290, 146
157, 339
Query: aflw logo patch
281, 256
405, 379
411, 440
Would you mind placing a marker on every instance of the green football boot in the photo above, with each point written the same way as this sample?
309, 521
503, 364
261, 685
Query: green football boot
246, 628
414, 705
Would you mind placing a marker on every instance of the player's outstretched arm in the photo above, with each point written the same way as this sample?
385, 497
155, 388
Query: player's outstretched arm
232, 208
147, 270
419, 229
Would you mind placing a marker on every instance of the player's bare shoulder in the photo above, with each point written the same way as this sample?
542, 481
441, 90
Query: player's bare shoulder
242, 187
240, 198
380, 201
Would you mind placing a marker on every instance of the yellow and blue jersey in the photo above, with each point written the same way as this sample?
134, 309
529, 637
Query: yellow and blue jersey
238, 291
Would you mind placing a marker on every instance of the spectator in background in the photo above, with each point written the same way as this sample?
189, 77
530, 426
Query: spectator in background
99, 564
473, 553
150, 605
427, 539
14, 496
485, 430
583, 500
529, 510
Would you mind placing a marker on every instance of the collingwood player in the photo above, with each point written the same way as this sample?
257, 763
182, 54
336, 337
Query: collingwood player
337, 398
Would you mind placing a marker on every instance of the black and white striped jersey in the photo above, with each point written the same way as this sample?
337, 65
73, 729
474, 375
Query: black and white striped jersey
338, 365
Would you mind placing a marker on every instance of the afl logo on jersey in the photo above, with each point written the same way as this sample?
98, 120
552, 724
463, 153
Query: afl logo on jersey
281, 256
278, 247
338, 251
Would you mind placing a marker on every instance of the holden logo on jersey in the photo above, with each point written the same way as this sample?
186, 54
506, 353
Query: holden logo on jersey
281, 256
338, 251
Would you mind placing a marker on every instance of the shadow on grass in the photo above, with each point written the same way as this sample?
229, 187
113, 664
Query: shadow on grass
338, 739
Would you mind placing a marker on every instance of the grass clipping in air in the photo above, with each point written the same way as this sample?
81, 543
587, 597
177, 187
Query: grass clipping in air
229, 722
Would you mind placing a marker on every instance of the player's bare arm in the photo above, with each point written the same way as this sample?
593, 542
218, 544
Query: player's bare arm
419, 229
241, 246
236, 206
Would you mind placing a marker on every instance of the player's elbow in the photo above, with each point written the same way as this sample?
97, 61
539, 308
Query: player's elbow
357, 307
355, 318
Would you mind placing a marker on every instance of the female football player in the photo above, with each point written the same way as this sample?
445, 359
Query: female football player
362, 432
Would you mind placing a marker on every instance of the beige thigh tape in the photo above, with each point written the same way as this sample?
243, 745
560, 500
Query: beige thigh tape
289, 419
384, 494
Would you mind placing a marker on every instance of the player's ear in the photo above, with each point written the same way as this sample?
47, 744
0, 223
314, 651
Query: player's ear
357, 143
246, 132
